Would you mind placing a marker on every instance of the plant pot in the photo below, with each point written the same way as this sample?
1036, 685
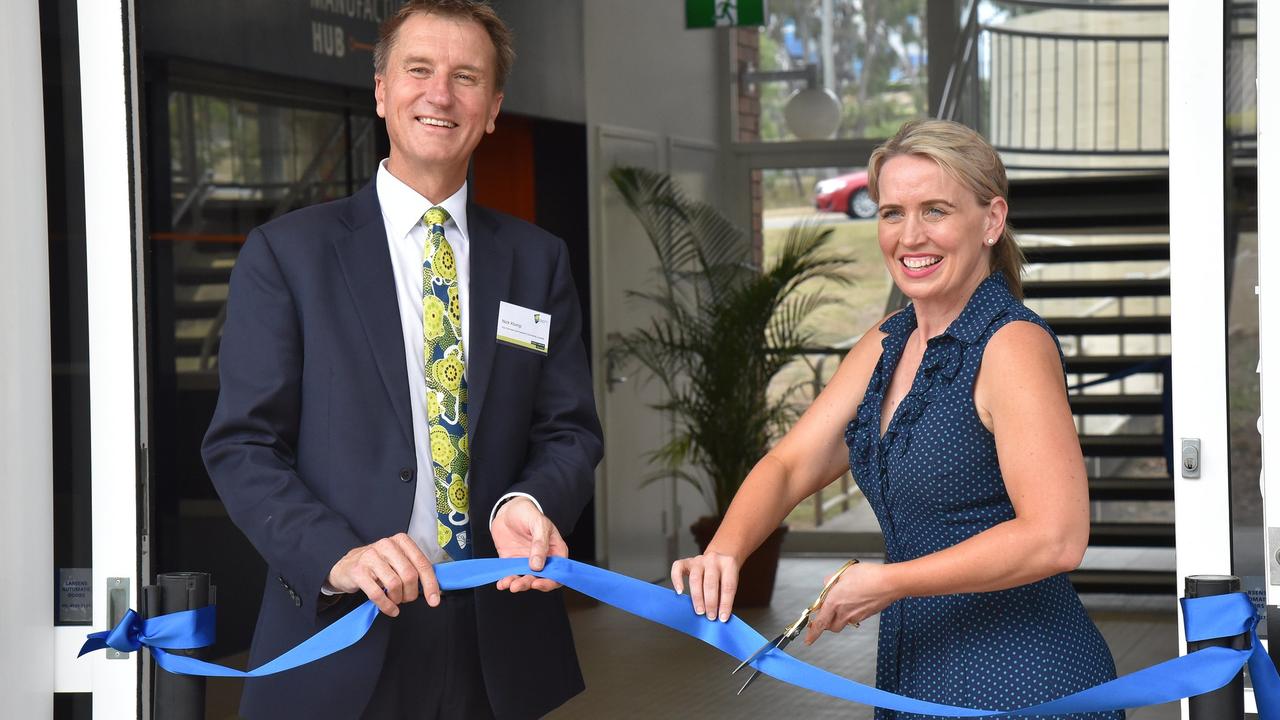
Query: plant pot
757, 575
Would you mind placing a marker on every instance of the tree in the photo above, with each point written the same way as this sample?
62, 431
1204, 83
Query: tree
878, 48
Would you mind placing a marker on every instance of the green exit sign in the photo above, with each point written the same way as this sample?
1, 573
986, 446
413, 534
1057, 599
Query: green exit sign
723, 13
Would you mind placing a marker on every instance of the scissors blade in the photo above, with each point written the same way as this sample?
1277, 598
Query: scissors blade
759, 651
778, 643
750, 680
786, 639
792, 631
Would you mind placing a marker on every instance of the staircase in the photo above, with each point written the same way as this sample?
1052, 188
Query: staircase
200, 261
1097, 260
1089, 197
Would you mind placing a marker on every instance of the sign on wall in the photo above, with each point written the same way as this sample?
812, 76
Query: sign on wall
326, 40
723, 13
75, 599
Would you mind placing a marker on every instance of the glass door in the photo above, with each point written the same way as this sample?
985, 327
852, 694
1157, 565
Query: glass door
227, 151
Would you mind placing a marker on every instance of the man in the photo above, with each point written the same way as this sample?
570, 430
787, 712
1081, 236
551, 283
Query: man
372, 424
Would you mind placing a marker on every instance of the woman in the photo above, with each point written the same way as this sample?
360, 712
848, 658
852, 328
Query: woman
953, 416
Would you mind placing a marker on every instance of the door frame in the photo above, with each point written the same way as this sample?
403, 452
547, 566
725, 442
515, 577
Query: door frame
1197, 228
1268, 19
108, 74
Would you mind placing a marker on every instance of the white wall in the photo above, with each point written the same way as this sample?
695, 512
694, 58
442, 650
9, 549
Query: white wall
645, 71
547, 80
26, 452
655, 94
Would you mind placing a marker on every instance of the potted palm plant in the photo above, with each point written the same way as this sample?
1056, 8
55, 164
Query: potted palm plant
722, 329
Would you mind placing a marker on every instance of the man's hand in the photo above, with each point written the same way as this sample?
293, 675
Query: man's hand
521, 529
388, 571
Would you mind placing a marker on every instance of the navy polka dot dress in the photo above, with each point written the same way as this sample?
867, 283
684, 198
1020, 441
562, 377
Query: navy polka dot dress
933, 481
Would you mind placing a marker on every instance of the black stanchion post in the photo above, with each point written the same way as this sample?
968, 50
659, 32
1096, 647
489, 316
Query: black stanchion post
1227, 702
178, 697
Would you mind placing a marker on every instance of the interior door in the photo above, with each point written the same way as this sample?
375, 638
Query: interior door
638, 515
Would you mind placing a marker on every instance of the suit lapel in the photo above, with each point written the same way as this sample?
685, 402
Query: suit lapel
366, 266
490, 283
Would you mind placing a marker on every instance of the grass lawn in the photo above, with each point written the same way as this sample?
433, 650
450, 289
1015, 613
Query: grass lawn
861, 304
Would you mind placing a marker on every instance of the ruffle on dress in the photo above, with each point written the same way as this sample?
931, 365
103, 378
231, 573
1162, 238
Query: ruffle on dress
942, 361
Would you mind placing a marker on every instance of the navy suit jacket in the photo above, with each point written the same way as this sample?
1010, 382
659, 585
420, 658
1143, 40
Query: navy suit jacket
311, 446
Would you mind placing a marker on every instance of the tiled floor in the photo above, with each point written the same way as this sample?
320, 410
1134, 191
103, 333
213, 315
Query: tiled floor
635, 669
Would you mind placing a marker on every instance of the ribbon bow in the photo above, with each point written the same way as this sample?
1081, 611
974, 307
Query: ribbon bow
183, 630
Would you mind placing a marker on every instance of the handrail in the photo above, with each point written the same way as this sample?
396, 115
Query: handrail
849, 491
288, 197
1038, 93
951, 90
1041, 35
215, 238
201, 187
1103, 7
293, 191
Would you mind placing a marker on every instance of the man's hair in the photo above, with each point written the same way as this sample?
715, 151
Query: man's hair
476, 11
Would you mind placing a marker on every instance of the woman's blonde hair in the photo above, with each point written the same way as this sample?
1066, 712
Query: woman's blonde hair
971, 161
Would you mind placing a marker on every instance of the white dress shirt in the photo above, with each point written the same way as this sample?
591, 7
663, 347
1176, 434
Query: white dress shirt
402, 211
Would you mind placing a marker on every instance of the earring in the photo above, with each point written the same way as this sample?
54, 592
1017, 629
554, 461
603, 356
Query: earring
991, 241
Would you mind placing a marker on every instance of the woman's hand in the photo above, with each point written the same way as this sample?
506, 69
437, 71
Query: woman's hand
713, 581
862, 591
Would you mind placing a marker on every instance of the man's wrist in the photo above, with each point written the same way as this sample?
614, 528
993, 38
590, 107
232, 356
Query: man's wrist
508, 498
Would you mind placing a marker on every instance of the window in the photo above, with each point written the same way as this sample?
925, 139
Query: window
869, 53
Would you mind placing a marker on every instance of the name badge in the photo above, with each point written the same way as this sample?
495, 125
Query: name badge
523, 328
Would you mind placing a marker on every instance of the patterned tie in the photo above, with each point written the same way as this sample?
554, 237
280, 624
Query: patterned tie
444, 364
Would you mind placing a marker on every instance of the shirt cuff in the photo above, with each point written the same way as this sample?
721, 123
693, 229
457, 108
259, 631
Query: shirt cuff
327, 589
511, 496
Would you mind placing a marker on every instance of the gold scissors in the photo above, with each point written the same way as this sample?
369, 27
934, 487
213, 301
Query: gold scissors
792, 631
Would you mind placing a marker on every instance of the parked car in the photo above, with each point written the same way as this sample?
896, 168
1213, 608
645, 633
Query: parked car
845, 193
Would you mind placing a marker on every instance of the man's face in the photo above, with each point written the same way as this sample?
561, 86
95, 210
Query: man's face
439, 96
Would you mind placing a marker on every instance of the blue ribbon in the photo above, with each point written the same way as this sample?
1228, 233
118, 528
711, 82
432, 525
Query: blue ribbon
1192, 674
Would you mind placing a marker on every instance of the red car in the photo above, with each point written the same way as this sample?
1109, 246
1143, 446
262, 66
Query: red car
847, 194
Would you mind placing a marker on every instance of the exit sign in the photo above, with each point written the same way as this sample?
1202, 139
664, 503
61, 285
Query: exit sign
723, 13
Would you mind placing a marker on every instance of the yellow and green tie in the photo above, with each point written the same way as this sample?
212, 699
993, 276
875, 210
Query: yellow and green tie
444, 363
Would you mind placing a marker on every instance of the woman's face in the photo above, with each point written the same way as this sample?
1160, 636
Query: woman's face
933, 231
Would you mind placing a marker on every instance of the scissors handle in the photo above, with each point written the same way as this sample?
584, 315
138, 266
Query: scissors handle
822, 596
795, 627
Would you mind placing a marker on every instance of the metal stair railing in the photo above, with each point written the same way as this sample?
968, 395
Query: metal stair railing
296, 193
849, 493
193, 198
1015, 85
